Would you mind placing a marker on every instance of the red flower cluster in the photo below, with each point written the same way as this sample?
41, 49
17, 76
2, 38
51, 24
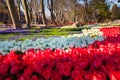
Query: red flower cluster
112, 34
99, 61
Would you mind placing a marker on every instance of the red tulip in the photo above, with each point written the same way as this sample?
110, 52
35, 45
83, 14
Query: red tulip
114, 75
14, 70
34, 77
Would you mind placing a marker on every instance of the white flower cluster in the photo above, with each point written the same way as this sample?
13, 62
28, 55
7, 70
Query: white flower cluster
75, 40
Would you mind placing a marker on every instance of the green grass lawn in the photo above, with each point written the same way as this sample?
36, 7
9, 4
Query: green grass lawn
48, 32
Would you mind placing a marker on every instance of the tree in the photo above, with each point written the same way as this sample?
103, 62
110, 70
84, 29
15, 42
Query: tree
26, 13
51, 9
13, 14
74, 7
18, 8
3, 7
85, 10
101, 8
34, 10
4, 14
114, 12
59, 10
43, 12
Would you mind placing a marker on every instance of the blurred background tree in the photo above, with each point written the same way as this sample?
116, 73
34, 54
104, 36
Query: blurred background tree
114, 12
13, 14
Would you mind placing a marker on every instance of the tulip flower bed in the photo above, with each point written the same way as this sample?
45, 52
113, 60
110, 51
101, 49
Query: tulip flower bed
98, 61
76, 40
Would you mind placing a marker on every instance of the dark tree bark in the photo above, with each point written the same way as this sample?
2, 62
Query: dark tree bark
13, 14
26, 13
85, 12
43, 12
18, 7
50, 7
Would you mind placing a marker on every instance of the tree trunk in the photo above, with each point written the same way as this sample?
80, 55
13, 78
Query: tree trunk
30, 14
85, 12
35, 18
18, 7
43, 12
75, 13
13, 14
6, 7
26, 13
62, 19
50, 7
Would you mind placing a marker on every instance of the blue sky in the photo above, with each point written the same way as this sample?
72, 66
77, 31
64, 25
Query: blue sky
115, 2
